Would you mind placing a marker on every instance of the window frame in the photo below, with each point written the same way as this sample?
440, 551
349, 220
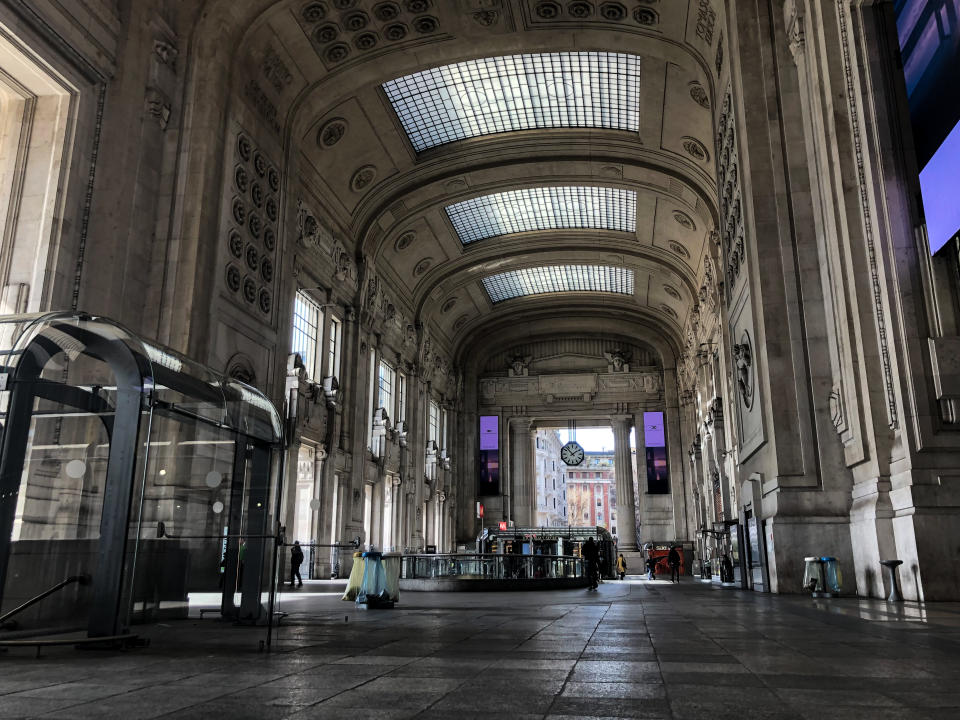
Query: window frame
334, 342
300, 324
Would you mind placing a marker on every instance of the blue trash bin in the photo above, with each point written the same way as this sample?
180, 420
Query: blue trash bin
373, 589
822, 576
831, 576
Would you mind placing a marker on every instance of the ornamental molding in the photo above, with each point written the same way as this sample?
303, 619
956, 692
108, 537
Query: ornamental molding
599, 388
859, 141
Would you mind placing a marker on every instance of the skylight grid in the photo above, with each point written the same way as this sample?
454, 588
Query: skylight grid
558, 278
518, 92
544, 208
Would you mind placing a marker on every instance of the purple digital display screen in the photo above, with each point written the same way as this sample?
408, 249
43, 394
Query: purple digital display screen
653, 435
655, 442
488, 472
941, 204
929, 36
489, 432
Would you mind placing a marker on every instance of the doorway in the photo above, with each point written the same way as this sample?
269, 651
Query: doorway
576, 489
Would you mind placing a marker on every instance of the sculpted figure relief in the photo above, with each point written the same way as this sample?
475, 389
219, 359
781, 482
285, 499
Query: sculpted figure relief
617, 361
743, 358
518, 365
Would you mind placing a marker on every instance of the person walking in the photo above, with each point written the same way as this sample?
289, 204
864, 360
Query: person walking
621, 566
673, 560
296, 559
590, 556
651, 568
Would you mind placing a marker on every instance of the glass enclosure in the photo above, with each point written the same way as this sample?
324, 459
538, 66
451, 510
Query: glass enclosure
132, 479
491, 567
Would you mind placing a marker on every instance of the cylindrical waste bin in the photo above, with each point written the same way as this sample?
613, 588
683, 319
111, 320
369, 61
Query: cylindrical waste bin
831, 576
821, 576
373, 590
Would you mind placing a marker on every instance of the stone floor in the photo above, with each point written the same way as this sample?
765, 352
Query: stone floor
630, 650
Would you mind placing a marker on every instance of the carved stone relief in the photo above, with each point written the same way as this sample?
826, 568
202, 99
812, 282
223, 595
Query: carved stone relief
157, 106
728, 177
253, 190
706, 21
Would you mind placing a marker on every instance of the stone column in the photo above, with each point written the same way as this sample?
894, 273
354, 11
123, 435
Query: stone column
626, 513
520, 467
532, 489
640, 498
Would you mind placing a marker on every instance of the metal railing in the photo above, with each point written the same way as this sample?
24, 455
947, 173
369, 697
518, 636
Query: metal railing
491, 567
5, 621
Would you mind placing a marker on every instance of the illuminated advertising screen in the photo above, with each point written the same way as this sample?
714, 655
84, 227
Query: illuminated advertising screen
655, 440
489, 476
929, 35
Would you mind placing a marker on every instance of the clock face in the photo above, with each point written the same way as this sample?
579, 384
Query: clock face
571, 453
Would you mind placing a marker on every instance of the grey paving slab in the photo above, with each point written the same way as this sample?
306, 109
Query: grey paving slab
690, 651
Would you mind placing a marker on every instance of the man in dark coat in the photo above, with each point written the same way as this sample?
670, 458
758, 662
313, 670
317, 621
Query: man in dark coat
673, 560
296, 559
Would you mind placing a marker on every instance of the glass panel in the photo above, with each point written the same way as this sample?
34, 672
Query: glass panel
558, 278
186, 485
518, 92
544, 208
184, 385
251, 413
59, 501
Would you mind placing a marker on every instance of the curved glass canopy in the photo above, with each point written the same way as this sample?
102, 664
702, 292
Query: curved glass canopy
558, 278
518, 92
168, 377
544, 208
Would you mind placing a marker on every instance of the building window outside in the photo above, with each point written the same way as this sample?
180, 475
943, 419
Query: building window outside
333, 347
372, 395
433, 423
442, 441
386, 381
307, 322
401, 398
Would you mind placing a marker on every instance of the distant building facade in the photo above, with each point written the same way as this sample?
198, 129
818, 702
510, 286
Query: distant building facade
551, 480
592, 492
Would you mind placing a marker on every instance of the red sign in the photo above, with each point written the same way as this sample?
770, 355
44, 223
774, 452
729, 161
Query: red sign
503, 524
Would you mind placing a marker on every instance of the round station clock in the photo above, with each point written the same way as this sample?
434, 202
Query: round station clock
571, 453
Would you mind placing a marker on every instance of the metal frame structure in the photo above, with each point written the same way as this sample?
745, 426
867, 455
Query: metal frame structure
150, 382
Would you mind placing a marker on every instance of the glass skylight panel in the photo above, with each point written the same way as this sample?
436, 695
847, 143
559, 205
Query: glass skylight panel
558, 278
518, 92
544, 208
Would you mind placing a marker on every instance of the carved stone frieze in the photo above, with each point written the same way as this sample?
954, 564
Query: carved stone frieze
599, 388
728, 175
275, 70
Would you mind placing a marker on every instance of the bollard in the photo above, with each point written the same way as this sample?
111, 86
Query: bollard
890, 569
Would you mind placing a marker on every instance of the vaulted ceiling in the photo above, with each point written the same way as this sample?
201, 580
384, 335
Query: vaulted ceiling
482, 150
